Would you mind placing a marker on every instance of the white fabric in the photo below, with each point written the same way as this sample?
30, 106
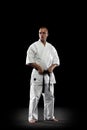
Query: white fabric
45, 56
48, 97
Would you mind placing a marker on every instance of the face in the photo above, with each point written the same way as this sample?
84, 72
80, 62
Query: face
43, 34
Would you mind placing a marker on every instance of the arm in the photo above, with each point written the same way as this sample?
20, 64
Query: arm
52, 67
30, 59
56, 61
37, 67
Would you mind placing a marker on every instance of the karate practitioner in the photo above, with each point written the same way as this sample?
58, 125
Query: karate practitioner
43, 57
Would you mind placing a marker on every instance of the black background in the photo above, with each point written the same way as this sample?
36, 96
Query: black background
20, 28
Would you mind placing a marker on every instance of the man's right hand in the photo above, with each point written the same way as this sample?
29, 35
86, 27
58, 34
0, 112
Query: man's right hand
40, 70
37, 67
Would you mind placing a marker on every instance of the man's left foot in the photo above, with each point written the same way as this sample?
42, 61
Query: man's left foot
56, 120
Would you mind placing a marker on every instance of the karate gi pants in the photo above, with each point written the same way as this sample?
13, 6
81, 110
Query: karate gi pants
48, 97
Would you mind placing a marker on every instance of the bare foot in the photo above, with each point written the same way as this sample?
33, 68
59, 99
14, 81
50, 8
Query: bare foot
32, 121
56, 120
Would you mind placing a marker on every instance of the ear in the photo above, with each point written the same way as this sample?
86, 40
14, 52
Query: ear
47, 34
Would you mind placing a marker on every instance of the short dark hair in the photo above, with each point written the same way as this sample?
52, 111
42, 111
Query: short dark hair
43, 27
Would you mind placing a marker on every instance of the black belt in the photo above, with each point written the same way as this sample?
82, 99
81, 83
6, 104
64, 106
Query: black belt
44, 73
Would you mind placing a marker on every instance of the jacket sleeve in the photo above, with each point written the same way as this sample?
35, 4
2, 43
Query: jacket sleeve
56, 59
30, 58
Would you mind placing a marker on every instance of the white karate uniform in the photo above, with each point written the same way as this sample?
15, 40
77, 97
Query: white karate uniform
45, 56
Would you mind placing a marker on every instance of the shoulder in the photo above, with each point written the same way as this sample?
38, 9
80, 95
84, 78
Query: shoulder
50, 46
33, 45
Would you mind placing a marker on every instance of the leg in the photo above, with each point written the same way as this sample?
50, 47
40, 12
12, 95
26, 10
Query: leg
49, 102
35, 93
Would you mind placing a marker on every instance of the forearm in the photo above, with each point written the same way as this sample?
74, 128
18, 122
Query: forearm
37, 67
52, 67
34, 65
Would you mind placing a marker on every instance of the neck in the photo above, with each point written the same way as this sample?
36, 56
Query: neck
44, 42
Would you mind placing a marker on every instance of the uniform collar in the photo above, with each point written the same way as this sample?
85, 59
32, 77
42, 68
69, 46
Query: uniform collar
42, 43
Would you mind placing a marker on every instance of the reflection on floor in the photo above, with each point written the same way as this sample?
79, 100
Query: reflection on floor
66, 117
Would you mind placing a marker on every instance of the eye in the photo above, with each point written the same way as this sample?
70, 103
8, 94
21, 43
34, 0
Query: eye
42, 32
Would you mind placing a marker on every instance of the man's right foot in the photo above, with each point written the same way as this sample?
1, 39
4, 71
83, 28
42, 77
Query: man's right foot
32, 121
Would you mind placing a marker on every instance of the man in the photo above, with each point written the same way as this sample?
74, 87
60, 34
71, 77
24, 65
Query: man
43, 57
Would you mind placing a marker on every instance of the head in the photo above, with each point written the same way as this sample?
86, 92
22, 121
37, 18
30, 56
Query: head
43, 34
